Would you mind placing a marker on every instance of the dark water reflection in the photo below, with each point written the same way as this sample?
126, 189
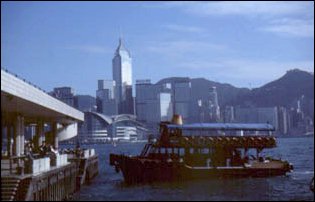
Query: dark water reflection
295, 186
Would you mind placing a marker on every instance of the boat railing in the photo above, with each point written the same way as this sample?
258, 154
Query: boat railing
218, 129
145, 149
219, 141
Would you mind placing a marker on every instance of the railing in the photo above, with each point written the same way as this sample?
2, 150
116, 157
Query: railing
12, 164
46, 163
26, 81
25, 164
38, 165
55, 185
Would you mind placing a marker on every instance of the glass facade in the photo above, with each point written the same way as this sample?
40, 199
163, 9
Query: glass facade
108, 85
257, 115
105, 101
166, 111
85, 103
182, 96
158, 102
65, 94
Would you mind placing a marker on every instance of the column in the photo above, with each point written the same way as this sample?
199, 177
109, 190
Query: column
22, 135
5, 132
40, 133
10, 139
17, 136
54, 135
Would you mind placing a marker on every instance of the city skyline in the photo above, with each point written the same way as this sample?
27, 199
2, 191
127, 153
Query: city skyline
64, 41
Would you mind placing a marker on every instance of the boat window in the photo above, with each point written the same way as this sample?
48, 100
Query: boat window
251, 152
181, 151
205, 151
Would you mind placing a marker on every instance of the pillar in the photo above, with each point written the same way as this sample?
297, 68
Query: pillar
40, 133
22, 135
54, 135
5, 133
18, 134
10, 139
16, 138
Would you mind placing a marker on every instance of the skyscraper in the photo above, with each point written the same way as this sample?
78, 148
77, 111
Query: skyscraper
65, 94
85, 103
153, 102
105, 97
213, 105
122, 75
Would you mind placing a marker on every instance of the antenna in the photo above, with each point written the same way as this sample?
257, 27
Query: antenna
120, 34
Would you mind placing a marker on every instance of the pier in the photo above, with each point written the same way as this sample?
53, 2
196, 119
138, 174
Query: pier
43, 172
52, 183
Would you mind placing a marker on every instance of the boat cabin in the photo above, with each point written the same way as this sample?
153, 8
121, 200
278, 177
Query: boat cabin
211, 144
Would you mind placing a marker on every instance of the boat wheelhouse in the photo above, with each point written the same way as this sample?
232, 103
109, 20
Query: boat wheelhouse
203, 150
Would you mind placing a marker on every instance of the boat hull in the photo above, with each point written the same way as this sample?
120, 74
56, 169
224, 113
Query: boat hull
140, 170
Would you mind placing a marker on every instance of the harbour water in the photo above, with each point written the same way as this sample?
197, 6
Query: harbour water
295, 186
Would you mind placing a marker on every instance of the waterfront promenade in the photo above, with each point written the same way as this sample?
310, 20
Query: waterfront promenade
41, 179
35, 168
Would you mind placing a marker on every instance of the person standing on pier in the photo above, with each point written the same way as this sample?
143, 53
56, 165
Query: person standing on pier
43, 149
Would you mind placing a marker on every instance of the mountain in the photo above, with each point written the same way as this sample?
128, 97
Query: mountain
284, 91
226, 93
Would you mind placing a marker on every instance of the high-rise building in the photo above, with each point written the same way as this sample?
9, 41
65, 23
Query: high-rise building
229, 116
181, 95
65, 94
213, 105
158, 102
257, 115
122, 75
105, 97
109, 85
144, 94
204, 104
127, 105
85, 103
283, 120
165, 106
153, 102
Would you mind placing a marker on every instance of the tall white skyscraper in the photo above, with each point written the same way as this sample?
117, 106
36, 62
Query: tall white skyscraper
214, 105
122, 75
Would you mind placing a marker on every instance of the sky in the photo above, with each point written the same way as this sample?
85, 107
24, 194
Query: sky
246, 44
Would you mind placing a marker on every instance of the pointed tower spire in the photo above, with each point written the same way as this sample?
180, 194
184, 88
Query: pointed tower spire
120, 37
121, 45
120, 42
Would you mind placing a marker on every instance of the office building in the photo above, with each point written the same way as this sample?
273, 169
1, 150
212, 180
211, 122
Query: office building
105, 97
85, 103
65, 94
122, 75
257, 115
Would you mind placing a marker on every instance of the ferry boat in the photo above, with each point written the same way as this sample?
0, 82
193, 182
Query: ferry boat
203, 150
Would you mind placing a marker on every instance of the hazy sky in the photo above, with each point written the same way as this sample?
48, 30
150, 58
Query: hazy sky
246, 44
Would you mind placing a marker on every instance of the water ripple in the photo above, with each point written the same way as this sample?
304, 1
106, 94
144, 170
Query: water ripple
109, 185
